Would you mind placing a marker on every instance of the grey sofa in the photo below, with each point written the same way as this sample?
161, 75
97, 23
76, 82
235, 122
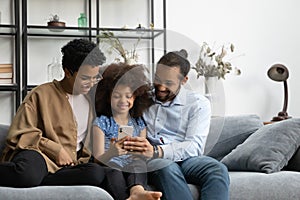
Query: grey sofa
225, 135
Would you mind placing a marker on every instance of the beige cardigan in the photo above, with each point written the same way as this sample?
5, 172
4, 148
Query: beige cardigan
45, 122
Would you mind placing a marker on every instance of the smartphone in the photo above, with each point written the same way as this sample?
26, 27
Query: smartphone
124, 131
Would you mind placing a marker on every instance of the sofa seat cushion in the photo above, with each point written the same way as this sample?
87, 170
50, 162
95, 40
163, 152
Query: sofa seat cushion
55, 193
283, 185
261, 186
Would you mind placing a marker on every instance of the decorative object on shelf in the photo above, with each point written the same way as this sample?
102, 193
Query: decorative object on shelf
151, 26
280, 73
125, 26
212, 64
115, 45
55, 70
54, 22
140, 28
82, 20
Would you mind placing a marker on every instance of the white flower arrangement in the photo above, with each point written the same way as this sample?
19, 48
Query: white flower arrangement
213, 64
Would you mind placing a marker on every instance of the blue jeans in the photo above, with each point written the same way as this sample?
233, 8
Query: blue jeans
209, 174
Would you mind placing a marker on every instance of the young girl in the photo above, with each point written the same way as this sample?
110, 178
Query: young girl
121, 97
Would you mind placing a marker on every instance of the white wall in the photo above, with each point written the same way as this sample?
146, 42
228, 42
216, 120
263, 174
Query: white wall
264, 32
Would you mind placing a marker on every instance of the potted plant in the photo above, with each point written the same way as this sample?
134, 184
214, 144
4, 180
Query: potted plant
54, 21
115, 45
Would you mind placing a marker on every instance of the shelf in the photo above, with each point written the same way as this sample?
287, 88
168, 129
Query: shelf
9, 87
40, 31
45, 31
133, 33
10, 32
7, 29
30, 87
35, 30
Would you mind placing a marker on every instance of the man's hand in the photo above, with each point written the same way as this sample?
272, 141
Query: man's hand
63, 158
139, 146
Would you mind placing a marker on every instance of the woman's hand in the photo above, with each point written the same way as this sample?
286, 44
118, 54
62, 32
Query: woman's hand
63, 158
139, 146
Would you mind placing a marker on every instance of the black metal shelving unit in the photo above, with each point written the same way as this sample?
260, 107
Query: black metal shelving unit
11, 31
88, 32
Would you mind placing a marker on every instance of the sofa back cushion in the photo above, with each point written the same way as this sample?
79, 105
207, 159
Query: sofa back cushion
228, 132
3, 134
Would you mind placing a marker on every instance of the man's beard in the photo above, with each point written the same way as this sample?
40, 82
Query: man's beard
169, 96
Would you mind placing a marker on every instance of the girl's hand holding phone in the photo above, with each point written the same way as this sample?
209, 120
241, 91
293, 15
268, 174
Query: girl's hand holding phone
116, 147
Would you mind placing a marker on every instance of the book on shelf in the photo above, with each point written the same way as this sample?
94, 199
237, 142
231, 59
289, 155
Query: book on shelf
6, 75
6, 81
8, 66
6, 71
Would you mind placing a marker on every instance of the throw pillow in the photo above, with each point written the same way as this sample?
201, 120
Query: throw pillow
227, 132
267, 150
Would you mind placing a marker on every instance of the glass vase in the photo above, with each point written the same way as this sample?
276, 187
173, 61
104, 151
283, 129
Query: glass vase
55, 70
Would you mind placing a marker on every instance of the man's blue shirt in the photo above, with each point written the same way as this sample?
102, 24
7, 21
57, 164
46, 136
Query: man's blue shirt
180, 126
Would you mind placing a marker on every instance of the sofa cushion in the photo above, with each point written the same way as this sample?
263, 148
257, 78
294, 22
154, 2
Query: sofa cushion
283, 185
3, 134
228, 132
55, 193
267, 150
294, 162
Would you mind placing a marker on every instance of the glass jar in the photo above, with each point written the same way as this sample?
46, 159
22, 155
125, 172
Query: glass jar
82, 20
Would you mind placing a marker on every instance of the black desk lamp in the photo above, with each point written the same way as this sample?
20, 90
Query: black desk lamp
279, 72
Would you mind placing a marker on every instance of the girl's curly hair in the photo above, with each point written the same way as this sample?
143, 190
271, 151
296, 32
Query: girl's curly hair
133, 76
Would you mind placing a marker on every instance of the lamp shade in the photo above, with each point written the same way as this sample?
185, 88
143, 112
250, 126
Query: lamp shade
278, 72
